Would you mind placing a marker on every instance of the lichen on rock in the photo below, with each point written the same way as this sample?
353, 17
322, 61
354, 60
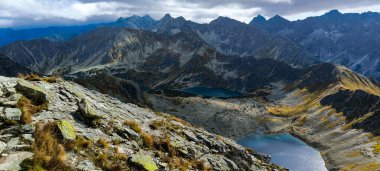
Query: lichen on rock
145, 161
66, 129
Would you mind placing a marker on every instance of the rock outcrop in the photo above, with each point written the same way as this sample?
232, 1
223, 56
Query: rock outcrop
65, 136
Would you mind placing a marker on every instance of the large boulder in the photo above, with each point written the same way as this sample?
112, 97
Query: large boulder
86, 108
37, 94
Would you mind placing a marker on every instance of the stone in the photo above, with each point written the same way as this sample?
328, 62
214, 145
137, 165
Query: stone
86, 165
1, 92
3, 146
28, 137
32, 92
67, 130
145, 161
13, 143
127, 133
10, 103
87, 110
27, 129
13, 160
190, 136
13, 114
10, 90
15, 97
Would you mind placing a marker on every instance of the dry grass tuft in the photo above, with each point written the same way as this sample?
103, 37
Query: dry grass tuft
79, 144
49, 153
201, 165
28, 109
148, 140
35, 77
133, 125
164, 124
103, 143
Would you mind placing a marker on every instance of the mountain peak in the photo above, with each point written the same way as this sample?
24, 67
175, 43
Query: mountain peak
222, 19
278, 17
278, 20
334, 12
166, 17
259, 19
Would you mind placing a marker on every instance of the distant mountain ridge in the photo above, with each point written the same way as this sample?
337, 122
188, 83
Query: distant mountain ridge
349, 39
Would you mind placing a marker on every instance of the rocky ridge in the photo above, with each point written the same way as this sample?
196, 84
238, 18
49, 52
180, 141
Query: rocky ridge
74, 128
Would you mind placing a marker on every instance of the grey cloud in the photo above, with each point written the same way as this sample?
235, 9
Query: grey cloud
42, 14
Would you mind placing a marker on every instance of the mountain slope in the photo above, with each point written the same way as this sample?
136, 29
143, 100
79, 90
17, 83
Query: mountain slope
336, 110
78, 129
150, 59
347, 39
10, 68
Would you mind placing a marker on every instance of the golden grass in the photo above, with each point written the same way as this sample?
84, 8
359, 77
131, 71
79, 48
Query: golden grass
353, 83
308, 101
35, 77
103, 143
372, 166
147, 140
353, 154
201, 165
165, 125
79, 144
376, 148
28, 109
49, 153
133, 125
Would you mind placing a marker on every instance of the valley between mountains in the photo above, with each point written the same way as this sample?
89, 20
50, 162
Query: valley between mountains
112, 96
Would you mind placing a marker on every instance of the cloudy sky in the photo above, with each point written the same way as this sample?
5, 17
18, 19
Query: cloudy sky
39, 13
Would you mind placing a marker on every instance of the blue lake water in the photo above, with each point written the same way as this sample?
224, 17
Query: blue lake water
287, 151
211, 92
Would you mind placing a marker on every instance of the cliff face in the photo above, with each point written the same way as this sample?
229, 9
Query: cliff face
63, 126
361, 109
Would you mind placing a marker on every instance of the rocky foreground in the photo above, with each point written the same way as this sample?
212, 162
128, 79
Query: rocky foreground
50, 124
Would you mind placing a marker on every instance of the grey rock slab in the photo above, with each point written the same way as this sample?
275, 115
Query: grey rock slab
28, 137
13, 114
13, 160
15, 97
27, 129
12, 143
3, 146
10, 103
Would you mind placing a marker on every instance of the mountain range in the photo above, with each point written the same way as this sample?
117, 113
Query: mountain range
314, 78
348, 39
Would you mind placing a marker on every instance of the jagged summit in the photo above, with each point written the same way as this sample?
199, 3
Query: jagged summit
258, 20
278, 19
333, 12
166, 17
